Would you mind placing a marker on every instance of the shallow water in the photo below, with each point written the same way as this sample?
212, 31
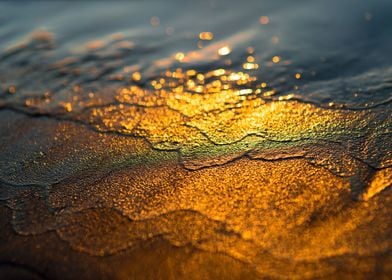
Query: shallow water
264, 144
341, 50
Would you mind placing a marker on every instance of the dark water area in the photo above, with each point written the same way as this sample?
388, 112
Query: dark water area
341, 49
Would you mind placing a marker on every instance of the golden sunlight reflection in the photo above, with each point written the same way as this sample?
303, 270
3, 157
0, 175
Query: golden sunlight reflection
264, 20
275, 59
206, 36
224, 50
220, 141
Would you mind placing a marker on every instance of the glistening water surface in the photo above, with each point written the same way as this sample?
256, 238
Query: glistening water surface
196, 139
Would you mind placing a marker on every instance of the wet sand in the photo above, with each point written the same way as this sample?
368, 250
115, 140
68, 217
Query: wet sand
165, 146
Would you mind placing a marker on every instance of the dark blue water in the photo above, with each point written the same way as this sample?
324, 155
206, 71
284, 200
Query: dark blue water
341, 49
